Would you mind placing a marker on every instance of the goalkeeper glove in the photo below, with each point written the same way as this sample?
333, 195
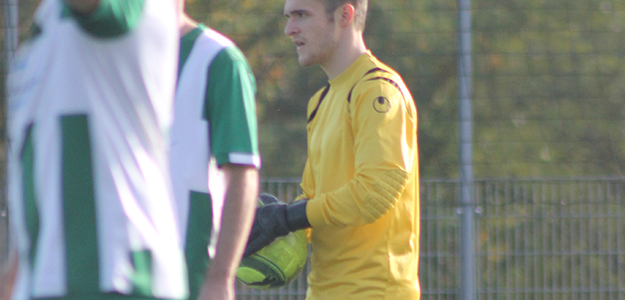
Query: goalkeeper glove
275, 219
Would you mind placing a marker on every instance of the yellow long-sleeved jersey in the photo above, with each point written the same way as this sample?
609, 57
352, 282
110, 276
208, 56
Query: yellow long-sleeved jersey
361, 177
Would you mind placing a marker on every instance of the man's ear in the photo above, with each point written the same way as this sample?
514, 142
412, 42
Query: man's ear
346, 14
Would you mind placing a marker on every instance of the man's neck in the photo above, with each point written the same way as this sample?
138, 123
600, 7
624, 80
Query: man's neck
186, 24
346, 52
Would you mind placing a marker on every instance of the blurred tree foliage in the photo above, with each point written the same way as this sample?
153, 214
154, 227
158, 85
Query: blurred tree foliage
549, 88
415, 38
548, 82
548, 85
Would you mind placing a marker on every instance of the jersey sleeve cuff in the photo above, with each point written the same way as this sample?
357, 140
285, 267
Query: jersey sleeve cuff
314, 212
296, 218
239, 159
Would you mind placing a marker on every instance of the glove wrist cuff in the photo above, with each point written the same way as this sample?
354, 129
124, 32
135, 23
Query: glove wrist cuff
296, 218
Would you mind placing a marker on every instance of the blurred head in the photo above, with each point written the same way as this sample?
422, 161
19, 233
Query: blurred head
185, 23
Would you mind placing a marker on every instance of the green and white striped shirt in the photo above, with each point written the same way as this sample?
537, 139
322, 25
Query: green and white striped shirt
215, 116
90, 106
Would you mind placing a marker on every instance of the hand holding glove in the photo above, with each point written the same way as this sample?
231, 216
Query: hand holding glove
275, 219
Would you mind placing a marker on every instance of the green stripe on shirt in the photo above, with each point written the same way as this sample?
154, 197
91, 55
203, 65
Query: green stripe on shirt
30, 201
142, 276
79, 212
199, 228
186, 45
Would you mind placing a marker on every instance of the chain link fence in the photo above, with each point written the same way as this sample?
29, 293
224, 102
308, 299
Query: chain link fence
534, 239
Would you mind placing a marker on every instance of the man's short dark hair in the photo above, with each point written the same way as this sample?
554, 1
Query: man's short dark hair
359, 5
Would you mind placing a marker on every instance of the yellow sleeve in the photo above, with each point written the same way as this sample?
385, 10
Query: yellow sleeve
380, 121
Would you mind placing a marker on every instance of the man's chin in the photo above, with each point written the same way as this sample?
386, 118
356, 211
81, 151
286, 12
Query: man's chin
305, 62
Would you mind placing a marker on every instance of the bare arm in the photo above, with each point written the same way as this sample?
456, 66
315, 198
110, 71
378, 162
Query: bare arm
83, 6
7, 277
237, 218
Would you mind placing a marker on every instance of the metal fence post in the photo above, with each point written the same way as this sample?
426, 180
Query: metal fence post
467, 273
11, 41
10, 30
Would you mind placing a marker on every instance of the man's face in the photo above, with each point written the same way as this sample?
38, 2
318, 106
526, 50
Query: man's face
312, 32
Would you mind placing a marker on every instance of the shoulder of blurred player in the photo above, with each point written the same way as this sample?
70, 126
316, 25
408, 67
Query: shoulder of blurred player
109, 18
83, 7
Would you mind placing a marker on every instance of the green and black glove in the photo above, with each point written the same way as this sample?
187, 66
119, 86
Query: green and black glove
275, 219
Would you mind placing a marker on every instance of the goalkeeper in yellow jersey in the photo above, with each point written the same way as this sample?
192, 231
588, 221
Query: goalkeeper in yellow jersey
360, 184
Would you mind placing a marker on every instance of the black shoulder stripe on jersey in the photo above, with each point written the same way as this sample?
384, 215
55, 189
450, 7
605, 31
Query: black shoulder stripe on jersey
349, 96
375, 70
323, 95
391, 81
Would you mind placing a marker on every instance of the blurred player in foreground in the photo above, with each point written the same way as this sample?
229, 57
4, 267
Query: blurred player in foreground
360, 183
215, 118
90, 102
